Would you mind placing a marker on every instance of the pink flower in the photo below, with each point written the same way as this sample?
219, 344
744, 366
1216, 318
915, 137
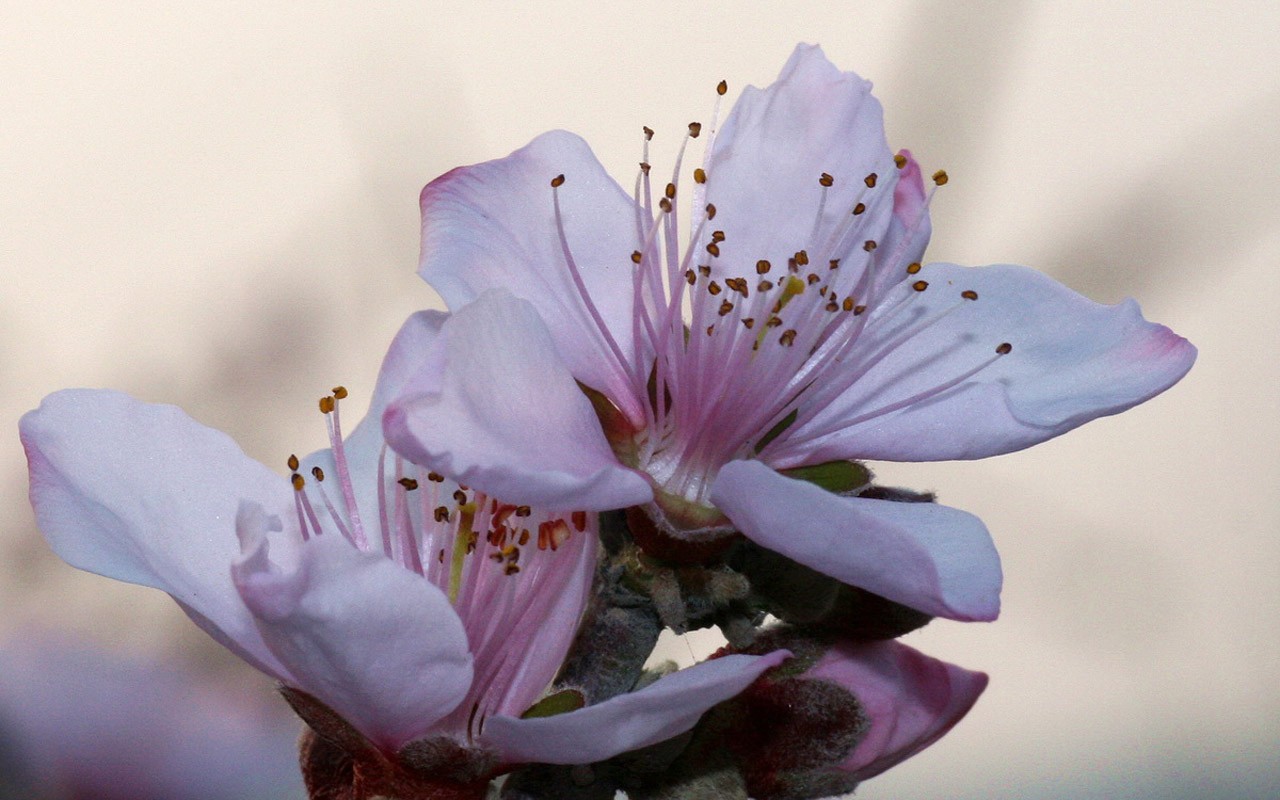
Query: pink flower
796, 328
840, 713
408, 605
79, 722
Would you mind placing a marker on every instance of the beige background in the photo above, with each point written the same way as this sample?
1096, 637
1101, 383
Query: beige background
217, 208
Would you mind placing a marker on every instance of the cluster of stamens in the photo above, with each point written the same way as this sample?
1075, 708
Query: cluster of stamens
497, 562
803, 333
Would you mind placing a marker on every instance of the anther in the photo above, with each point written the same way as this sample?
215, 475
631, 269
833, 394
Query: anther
699, 175
711, 211
695, 128
969, 294
293, 463
826, 180
557, 181
442, 514
788, 337
717, 236
579, 519
648, 133
870, 180
847, 304
670, 191
713, 249
645, 167
664, 204
1004, 349
833, 306
409, 484
523, 511
298, 481
869, 245
834, 263
940, 177
859, 310
899, 161
812, 278
636, 257
764, 286
690, 277
460, 497
722, 88
326, 404
859, 208
920, 286
713, 288
317, 473
725, 307
340, 392
762, 267
738, 285
749, 323
435, 477
802, 258
913, 268
704, 270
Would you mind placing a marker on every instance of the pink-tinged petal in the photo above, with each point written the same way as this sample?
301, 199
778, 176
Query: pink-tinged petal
763, 173
666, 708
143, 493
375, 642
493, 225
935, 559
910, 699
909, 227
1070, 360
501, 412
415, 343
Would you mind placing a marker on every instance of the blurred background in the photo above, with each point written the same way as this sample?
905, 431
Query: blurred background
217, 207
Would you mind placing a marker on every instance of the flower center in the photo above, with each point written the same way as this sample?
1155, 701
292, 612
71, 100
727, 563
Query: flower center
502, 566
735, 356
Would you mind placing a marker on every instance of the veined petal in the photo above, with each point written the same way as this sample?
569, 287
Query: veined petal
493, 225
502, 413
910, 699
143, 493
763, 173
668, 707
1070, 360
935, 559
373, 641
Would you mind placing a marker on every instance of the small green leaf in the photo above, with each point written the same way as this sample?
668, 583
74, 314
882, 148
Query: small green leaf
834, 476
561, 702
776, 430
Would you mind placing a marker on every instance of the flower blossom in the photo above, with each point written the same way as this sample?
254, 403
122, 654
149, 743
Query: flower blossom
408, 606
779, 324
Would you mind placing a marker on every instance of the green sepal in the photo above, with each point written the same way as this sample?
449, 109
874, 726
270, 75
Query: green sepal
561, 702
834, 476
776, 430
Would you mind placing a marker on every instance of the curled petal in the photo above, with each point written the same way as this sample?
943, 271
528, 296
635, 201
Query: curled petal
668, 707
493, 225
764, 170
910, 700
501, 412
373, 641
143, 493
1040, 360
935, 559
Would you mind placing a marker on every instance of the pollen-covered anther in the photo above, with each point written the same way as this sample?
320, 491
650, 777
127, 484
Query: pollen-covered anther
293, 463
435, 477
834, 263
298, 481
749, 322
713, 249
690, 277
645, 167
717, 236
704, 270
442, 514
409, 484
664, 204
913, 268
738, 285
832, 306
847, 305
636, 257
326, 404
859, 208
774, 322
1004, 349
969, 294
920, 286
763, 267
869, 245
552, 534
557, 181
825, 180
764, 286
725, 308
318, 474
940, 178
713, 289
722, 88
802, 258
788, 337
695, 128
579, 519
699, 175
460, 497
670, 191
870, 180
812, 278
340, 392
648, 133
711, 211
899, 161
